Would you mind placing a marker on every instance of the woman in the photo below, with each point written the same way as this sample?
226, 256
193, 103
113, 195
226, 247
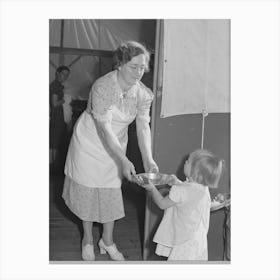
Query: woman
58, 128
96, 159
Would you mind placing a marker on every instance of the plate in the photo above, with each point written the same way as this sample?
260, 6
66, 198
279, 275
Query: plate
216, 205
156, 178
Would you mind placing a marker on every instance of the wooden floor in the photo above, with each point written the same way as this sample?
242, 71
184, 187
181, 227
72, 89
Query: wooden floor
65, 228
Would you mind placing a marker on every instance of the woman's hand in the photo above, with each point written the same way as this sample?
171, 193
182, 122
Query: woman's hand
127, 168
110, 138
150, 166
150, 186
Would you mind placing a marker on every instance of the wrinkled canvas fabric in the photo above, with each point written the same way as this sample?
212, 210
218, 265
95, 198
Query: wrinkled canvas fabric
198, 78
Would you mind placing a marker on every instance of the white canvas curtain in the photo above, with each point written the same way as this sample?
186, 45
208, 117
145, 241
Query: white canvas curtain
196, 72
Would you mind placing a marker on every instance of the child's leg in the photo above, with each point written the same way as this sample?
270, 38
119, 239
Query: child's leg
87, 238
107, 234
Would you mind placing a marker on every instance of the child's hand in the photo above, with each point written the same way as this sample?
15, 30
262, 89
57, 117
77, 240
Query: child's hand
173, 180
150, 186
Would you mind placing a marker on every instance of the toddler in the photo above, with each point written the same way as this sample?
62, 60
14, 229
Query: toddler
182, 233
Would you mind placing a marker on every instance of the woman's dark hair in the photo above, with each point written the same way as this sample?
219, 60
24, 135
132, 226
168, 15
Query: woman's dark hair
126, 51
62, 68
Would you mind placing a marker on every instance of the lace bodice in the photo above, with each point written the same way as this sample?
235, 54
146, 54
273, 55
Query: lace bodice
106, 93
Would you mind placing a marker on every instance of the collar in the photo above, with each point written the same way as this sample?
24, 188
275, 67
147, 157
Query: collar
131, 92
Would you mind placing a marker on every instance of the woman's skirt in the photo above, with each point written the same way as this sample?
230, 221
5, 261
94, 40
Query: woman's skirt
100, 205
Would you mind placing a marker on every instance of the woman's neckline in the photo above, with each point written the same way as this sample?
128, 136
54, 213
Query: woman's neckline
124, 92
123, 88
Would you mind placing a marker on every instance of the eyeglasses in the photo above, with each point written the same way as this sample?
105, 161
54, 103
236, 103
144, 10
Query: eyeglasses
136, 67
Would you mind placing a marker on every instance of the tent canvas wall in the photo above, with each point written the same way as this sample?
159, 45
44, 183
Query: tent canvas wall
87, 44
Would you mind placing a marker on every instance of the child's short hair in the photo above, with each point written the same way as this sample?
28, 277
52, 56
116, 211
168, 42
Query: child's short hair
206, 168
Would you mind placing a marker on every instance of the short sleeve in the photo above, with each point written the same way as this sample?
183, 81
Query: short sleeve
178, 194
101, 99
144, 103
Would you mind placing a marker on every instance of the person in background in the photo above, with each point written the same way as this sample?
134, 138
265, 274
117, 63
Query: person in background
58, 128
96, 161
182, 233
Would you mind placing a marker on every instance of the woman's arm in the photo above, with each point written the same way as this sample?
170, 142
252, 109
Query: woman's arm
101, 99
145, 145
114, 145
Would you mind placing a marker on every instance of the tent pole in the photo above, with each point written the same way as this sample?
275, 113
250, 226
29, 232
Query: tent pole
61, 56
81, 52
74, 61
157, 87
99, 43
53, 64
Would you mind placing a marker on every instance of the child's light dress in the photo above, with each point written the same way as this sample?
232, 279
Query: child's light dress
182, 233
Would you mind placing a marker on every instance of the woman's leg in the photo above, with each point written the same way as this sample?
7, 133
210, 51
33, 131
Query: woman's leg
87, 238
87, 242
106, 244
107, 234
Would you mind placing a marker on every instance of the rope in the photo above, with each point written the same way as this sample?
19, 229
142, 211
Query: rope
204, 112
204, 115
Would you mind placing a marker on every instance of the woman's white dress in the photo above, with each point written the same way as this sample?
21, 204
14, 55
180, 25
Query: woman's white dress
89, 162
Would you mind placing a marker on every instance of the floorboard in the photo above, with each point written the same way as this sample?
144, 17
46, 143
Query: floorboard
65, 228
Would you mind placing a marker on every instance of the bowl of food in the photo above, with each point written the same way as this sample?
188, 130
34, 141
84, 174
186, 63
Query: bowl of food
221, 200
155, 178
222, 197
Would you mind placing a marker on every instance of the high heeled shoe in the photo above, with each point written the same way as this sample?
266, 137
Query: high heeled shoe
112, 251
88, 253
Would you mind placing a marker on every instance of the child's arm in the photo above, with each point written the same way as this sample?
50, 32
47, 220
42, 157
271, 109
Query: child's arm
161, 201
173, 180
